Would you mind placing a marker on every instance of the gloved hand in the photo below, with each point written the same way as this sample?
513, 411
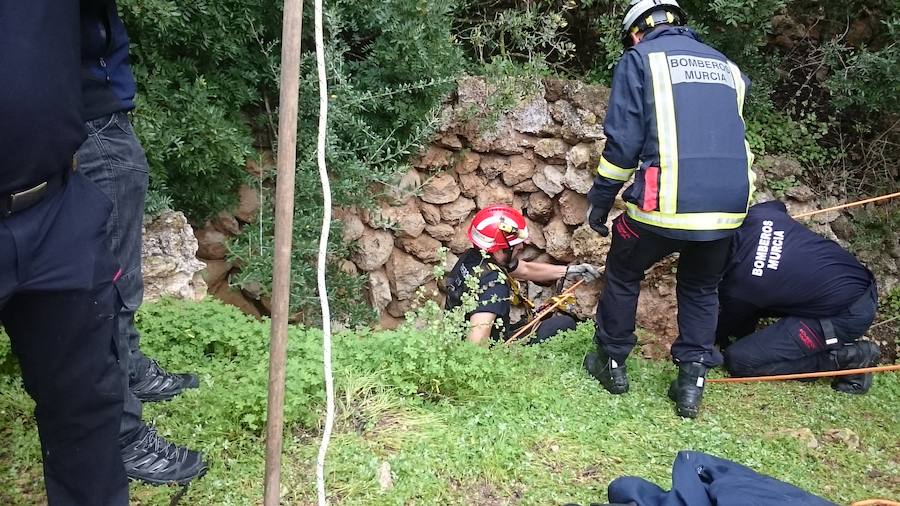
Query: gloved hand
587, 272
596, 218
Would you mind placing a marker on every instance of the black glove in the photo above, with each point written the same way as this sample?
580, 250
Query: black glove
596, 217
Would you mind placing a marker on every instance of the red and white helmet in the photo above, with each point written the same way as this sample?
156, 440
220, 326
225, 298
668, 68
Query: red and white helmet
498, 227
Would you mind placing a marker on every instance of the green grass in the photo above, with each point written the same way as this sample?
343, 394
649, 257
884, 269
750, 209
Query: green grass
533, 429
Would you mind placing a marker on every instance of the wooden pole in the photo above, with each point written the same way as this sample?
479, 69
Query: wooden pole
844, 206
284, 223
805, 375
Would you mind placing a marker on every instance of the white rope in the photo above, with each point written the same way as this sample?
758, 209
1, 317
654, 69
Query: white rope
323, 250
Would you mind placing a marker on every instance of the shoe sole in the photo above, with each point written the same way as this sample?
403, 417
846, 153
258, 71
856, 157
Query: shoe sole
680, 410
181, 482
873, 353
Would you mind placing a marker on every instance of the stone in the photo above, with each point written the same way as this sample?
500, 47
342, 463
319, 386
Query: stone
460, 240
554, 89
449, 262
430, 213
458, 210
532, 116
535, 233
540, 207
211, 244
579, 157
529, 253
843, 228
589, 246
559, 240
519, 169
406, 274
592, 98
440, 189
248, 204
226, 223
434, 158
778, 167
352, 227
450, 141
495, 193
216, 273
493, 165
406, 187
526, 186
441, 231
801, 193
170, 265
586, 297
472, 184
385, 478
406, 219
549, 178
466, 162
349, 268
379, 290
577, 124
399, 308
552, 149
424, 247
579, 180
573, 207
373, 249
234, 297
846, 436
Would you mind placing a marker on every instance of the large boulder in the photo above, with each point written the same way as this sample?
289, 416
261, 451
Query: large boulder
572, 207
170, 265
467, 162
495, 193
559, 240
520, 169
407, 220
540, 207
248, 204
441, 231
373, 249
434, 158
211, 244
472, 184
424, 247
379, 290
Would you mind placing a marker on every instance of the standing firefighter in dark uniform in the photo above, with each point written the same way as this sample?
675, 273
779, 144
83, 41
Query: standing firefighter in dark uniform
489, 272
824, 297
58, 300
675, 123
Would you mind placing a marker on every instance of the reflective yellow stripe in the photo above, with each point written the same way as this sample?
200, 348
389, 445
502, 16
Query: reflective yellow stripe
666, 132
741, 90
613, 171
687, 221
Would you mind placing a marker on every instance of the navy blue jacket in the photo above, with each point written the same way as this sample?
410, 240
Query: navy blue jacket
41, 125
675, 122
778, 267
699, 479
107, 80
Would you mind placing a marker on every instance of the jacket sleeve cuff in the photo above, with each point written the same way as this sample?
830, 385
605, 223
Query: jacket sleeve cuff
610, 170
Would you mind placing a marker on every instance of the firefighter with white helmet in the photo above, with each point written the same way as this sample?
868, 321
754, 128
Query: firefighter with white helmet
498, 234
674, 124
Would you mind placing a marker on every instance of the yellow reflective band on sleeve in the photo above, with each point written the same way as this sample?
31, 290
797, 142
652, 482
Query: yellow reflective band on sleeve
610, 170
666, 131
687, 221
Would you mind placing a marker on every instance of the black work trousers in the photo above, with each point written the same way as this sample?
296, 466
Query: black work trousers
795, 344
58, 303
700, 268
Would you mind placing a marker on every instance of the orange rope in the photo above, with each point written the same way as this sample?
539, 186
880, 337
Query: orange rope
529, 327
876, 502
842, 206
823, 374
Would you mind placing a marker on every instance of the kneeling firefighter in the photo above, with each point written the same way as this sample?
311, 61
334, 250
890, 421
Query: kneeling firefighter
824, 297
489, 272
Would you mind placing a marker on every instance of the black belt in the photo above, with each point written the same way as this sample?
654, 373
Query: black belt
19, 201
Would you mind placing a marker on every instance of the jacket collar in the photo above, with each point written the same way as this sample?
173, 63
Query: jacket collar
664, 30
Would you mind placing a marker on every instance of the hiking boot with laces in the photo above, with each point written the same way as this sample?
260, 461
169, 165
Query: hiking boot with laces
151, 459
855, 356
157, 384
611, 374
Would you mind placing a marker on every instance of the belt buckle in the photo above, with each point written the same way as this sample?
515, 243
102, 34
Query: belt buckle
25, 198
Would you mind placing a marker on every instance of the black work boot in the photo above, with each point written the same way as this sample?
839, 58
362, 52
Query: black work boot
157, 384
611, 374
687, 389
855, 356
151, 459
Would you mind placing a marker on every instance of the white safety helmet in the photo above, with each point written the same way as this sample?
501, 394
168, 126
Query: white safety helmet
643, 14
